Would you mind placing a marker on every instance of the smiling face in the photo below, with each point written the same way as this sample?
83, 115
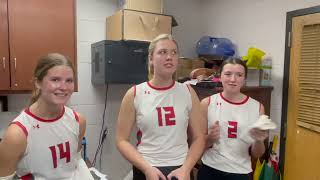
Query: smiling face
57, 85
232, 78
164, 58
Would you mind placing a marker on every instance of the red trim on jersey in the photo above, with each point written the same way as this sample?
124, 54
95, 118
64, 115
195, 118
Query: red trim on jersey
139, 136
23, 128
76, 116
41, 119
27, 177
235, 103
134, 90
161, 88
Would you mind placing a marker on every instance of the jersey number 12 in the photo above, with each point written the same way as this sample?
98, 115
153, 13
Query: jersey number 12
169, 116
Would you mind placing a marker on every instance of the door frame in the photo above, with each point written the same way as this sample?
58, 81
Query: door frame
285, 87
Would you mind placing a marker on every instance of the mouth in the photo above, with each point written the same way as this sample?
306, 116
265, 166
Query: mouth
61, 94
168, 65
233, 85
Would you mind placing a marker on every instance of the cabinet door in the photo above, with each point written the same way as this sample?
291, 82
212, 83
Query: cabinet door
36, 28
4, 49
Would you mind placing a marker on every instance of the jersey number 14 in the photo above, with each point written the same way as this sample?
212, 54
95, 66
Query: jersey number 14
64, 153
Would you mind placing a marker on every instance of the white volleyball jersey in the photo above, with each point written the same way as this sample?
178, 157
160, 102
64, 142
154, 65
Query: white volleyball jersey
162, 116
51, 151
231, 153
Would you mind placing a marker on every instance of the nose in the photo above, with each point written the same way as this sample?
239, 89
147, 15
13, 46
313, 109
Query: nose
62, 85
233, 77
169, 56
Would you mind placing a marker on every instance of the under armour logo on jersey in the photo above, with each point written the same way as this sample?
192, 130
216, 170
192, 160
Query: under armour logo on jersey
36, 126
146, 92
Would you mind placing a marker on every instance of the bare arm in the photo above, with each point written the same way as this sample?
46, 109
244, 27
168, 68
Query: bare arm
213, 130
12, 147
258, 147
198, 130
204, 111
82, 167
126, 120
82, 130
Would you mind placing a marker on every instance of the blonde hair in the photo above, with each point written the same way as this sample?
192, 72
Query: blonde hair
152, 46
44, 64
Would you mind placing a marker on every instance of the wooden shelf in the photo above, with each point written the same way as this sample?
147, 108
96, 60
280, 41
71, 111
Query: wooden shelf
259, 93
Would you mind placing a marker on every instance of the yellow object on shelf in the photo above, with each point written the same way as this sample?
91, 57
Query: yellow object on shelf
253, 57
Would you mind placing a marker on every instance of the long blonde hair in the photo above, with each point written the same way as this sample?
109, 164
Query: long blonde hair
152, 46
44, 64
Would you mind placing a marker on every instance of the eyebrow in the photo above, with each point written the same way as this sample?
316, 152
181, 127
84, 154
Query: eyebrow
233, 72
60, 77
168, 49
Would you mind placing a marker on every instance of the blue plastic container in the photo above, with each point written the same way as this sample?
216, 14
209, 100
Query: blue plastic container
215, 46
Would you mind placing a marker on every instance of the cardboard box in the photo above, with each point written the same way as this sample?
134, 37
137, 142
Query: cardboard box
137, 25
186, 65
153, 6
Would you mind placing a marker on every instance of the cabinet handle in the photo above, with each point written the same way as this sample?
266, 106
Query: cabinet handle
4, 62
15, 63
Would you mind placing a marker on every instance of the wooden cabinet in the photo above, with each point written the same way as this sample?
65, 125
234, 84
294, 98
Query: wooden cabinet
30, 29
261, 94
4, 47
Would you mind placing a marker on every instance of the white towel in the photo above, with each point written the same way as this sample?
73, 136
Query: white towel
264, 123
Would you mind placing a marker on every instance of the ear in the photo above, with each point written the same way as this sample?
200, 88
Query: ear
37, 83
150, 60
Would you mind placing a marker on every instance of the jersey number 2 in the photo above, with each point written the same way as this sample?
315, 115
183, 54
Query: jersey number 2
232, 129
168, 116
64, 153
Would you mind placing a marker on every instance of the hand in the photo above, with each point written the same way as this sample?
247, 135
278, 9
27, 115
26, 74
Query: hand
214, 132
180, 174
258, 135
154, 173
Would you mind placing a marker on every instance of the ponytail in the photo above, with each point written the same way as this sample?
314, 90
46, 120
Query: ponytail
35, 96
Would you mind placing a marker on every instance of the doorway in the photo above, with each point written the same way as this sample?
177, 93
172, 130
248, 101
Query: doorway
300, 121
